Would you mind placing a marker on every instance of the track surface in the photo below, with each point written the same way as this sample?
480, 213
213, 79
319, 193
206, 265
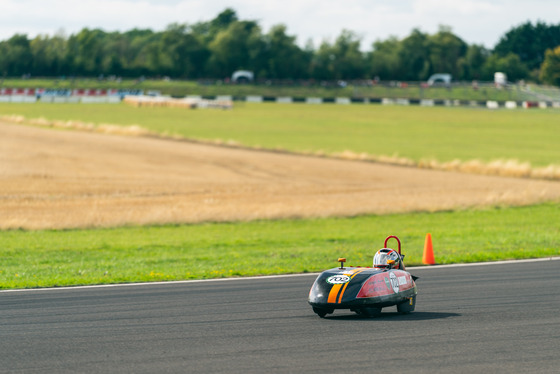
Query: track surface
488, 318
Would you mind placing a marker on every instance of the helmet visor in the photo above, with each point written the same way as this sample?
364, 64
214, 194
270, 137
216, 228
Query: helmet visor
382, 257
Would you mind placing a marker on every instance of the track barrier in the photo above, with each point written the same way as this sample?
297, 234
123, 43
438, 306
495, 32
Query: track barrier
91, 96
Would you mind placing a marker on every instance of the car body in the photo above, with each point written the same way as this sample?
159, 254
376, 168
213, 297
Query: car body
364, 290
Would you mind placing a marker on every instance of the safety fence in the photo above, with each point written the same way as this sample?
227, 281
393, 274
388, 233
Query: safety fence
33, 95
491, 104
138, 98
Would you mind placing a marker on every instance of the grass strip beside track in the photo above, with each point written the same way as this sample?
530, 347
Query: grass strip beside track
182, 88
159, 253
420, 134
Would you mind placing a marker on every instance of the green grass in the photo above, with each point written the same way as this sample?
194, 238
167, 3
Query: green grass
159, 253
416, 133
131, 254
213, 88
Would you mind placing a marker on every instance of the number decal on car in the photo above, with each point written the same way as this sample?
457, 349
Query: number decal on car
394, 282
338, 279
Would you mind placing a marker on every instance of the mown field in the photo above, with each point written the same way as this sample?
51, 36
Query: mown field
126, 254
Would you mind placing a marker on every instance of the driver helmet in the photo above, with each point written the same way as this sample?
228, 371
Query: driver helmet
381, 258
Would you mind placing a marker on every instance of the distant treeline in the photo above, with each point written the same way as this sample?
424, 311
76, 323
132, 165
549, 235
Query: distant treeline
216, 48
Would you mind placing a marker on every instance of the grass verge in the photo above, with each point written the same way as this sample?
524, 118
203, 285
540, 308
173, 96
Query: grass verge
520, 140
183, 88
161, 253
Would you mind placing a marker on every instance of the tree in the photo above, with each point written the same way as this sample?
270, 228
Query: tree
182, 54
341, 60
550, 69
137, 54
471, 65
445, 51
240, 46
284, 59
49, 55
114, 50
16, 56
510, 64
86, 51
529, 42
207, 31
218, 47
384, 59
349, 62
414, 57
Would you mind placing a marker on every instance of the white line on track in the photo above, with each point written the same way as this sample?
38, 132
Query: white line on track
486, 263
268, 276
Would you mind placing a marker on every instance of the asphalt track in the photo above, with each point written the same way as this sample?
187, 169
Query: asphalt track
502, 318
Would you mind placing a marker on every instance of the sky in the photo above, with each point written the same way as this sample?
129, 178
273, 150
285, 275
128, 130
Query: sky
475, 21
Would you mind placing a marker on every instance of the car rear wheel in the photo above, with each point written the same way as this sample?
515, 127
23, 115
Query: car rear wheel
407, 306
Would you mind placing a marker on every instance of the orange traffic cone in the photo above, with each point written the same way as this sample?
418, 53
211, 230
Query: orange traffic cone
428, 257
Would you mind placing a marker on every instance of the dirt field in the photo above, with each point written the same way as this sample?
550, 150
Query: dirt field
67, 179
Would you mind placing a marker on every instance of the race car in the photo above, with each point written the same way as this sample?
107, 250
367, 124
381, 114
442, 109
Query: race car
366, 290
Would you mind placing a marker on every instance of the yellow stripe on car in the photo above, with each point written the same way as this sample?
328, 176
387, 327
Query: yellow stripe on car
334, 296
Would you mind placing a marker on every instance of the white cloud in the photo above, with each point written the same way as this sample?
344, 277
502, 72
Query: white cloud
465, 8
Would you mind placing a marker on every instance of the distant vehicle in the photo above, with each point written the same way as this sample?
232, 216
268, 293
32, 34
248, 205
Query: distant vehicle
366, 290
500, 79
242, 76
439, 79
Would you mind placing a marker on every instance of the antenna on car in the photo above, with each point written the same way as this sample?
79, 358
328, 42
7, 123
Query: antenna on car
342, 260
